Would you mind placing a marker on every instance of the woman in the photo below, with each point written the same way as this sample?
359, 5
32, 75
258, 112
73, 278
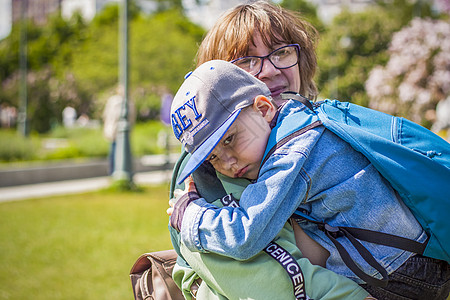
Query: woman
277, 47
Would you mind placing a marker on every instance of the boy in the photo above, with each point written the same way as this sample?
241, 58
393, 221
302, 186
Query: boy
261, 277
222, 114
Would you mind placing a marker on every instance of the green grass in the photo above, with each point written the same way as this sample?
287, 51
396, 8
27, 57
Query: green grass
79, 246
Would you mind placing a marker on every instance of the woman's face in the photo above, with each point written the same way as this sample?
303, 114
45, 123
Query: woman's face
278, 81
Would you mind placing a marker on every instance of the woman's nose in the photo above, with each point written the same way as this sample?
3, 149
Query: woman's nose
268, 70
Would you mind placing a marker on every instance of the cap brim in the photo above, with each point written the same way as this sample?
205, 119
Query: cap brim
202, 152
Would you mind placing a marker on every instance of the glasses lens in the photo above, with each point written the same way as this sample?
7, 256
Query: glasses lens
285, 57
282, 58
249, 64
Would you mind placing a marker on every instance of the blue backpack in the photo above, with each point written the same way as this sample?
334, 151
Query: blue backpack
413, 159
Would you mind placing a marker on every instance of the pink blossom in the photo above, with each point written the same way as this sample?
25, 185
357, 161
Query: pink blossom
417, 75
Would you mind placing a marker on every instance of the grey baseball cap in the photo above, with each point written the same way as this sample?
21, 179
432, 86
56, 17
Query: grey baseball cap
207, 103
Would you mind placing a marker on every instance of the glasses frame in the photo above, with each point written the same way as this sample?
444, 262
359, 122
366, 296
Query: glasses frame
263, 58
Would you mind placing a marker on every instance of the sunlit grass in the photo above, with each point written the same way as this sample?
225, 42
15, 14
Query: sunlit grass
79, 246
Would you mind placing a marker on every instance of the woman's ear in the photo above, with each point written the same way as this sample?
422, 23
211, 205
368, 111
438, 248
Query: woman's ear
264, 106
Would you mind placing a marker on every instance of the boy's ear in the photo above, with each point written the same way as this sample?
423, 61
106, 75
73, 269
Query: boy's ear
264, 106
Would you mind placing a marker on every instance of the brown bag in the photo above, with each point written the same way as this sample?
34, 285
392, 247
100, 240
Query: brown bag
151, 277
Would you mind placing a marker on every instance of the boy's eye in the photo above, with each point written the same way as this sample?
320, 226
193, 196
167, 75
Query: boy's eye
228, 140
212, 158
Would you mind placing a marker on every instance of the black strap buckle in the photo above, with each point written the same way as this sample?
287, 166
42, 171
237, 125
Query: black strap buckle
335, 232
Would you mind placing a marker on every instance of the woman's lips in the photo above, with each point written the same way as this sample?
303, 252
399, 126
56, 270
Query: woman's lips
276, 91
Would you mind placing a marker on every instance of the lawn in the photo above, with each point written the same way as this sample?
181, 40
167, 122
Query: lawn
79, 246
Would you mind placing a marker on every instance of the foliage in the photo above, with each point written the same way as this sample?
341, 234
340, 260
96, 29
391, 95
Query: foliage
79, 246
18, 148
156, 60
354, 43
417, 74
77, 142
48, 48
405, 10
163, 52
45, 45
145, 139
74, 143
71, 63
307, 10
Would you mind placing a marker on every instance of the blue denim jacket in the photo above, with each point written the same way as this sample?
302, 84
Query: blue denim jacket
322, 174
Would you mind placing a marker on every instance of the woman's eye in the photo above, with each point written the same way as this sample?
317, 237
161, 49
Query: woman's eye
249, 62
283, 52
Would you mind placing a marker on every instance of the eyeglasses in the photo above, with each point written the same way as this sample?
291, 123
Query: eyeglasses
281, 58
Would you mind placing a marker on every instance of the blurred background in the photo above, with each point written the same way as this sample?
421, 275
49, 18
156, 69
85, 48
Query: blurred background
59, 63
62, 61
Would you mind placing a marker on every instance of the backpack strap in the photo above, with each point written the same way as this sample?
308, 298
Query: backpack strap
353, 235
288, 138
298, 97
292, 126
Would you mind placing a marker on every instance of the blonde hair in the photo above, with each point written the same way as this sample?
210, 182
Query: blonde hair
230, 37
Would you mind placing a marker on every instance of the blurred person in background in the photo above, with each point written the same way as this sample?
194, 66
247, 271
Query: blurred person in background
111, 116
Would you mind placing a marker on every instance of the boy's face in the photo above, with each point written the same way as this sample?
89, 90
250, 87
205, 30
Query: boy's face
240, 151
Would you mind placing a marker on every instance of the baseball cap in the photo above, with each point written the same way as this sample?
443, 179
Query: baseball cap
206, 105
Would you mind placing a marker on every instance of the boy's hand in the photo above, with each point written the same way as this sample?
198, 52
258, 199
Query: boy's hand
180, 203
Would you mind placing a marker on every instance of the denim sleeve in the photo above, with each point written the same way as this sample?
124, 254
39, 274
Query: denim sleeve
265, 206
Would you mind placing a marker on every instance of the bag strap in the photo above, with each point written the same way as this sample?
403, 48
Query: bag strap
298, 97
290, 265
282, 256
176, 170
353, 234
288, 138
293, 125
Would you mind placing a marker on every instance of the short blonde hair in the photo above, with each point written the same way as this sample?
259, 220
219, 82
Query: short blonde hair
231, 35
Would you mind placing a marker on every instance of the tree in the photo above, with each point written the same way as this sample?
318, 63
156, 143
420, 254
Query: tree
162, 50
417, 74
355, 42
48, 49
307, 10
76, 64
